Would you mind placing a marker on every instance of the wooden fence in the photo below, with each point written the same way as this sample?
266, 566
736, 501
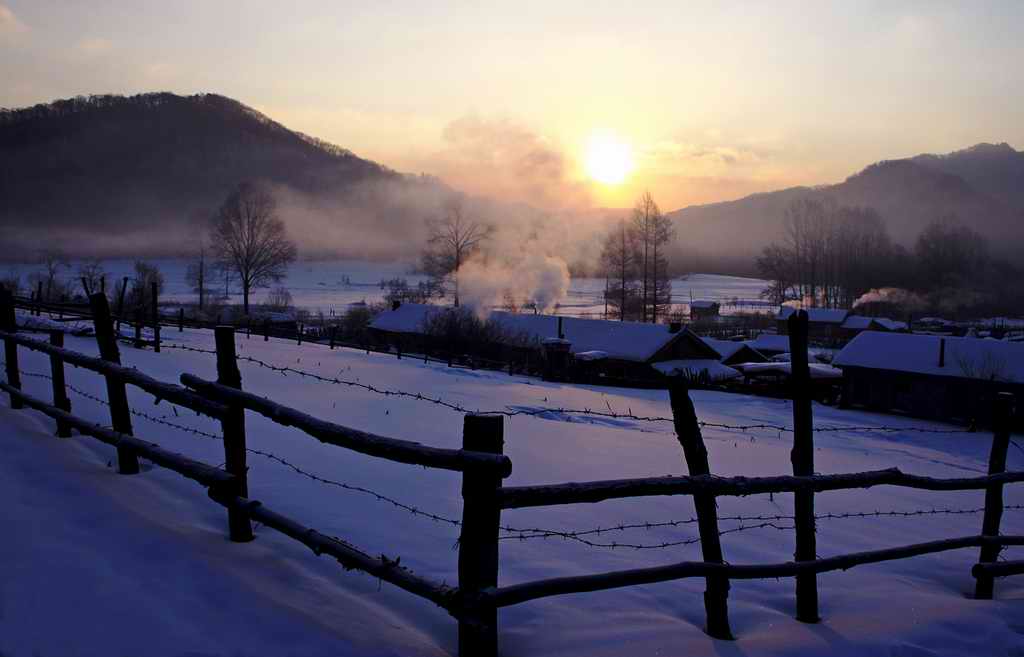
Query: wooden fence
483, 466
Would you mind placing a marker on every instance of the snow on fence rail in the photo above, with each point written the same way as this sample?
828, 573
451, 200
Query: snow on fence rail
483, 466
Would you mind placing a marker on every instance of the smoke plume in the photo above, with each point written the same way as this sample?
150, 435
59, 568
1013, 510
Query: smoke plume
905, 299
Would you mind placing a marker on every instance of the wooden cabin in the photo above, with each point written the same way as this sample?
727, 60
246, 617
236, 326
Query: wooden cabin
929, 376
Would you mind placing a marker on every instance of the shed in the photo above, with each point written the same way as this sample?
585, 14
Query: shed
733, 353
704, 309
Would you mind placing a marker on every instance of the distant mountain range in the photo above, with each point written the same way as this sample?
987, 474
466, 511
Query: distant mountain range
117, 175
127, 175
982, 186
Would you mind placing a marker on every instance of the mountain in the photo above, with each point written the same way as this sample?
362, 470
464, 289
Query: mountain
982, 186
124, 175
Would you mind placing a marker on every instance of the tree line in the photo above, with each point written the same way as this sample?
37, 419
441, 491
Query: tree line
831, 255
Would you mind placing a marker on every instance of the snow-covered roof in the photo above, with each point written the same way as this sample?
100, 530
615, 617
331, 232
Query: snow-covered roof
623, 340
725, 348
817, 370
861, 323
693, 367
911, 352
770, 342
817, 315
704, 304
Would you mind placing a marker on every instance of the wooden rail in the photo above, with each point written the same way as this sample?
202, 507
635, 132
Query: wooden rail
200, 472
402, 451
519, 593
518, 497
159, 389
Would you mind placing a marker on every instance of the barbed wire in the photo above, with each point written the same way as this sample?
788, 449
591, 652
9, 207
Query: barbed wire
530, 533
609, 414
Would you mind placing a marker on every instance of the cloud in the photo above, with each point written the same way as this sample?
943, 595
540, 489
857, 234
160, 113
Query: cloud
10, 25
504, 160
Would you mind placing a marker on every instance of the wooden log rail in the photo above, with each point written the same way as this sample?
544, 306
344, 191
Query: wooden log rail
519, 593
207, 475
168, 391
518, 497
392, 449
1000, 569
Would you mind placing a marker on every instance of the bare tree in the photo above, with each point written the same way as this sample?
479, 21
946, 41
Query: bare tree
52, 262
652, 231
451, 240
618, 262
197, 275
140, 294
93, 276
249, 239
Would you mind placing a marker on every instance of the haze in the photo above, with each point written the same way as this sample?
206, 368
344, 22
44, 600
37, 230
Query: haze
711, 101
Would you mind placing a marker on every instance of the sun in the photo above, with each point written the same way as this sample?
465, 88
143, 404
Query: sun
608, 159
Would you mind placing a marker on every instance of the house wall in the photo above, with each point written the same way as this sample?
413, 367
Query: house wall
948, 399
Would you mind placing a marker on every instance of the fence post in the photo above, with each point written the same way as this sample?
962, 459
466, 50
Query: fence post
266, 330
802, 457
120, 303
478, 542
233, 425
716, 595
181, 319
332, 337
156, 318
60, 393
298, 333
10, 324
1001, 419
120, 415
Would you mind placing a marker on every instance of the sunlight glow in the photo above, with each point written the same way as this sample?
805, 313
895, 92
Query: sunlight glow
608, 159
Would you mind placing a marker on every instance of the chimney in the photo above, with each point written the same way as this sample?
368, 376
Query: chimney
675, 327
561, 335
942, 352
395, 304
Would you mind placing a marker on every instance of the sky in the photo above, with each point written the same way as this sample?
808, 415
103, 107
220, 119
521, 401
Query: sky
561, 104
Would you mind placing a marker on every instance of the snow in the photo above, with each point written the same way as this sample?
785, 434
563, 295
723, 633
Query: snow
919, 354
695, 366
591, 355
857, 323
634, 341
97, 563
26, 320
816, 315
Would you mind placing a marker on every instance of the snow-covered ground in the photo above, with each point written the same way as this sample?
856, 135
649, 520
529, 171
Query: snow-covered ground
95, 563
331, 285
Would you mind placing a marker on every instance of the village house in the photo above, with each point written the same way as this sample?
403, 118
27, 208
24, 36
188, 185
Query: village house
930, 376
603, 351
824, 325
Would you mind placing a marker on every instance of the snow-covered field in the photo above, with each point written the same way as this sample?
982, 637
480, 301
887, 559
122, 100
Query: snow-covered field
331, 285
95, 563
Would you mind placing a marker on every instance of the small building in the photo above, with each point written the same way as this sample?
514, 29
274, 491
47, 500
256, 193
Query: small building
823, 324
941, 378
704, 309
602, 351
734, 353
